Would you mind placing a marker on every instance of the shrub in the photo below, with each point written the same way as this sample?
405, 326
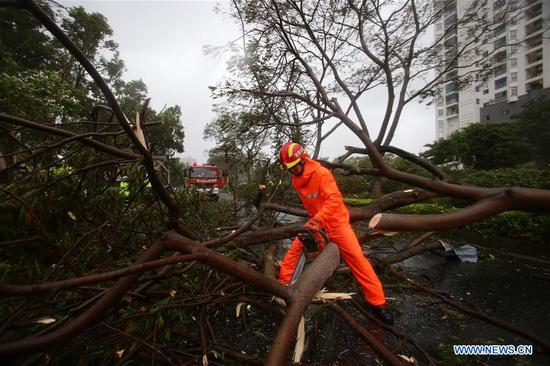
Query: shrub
534, 227
529, 226
353, 184
525, 176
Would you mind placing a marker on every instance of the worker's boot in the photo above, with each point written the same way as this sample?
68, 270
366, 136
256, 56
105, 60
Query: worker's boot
383, 313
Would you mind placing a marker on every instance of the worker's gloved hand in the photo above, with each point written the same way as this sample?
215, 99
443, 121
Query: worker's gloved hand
313, 224
316, 226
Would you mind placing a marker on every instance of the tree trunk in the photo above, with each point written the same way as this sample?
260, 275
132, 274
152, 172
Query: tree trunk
376, 187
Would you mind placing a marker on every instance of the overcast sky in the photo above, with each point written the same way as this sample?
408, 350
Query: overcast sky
161, 42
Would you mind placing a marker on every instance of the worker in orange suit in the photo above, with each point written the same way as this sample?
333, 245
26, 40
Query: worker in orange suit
322, 199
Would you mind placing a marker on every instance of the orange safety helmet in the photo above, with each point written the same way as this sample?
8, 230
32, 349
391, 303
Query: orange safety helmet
291, 154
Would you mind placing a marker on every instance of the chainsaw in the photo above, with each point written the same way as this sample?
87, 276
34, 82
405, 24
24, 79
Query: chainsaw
313, 241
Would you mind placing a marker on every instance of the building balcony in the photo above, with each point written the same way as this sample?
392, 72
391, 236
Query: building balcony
451, 54
451, 19
451, 29
451, 100
534, 85
450, 33
533, 74
498, 4
452, 111
529, 3
534, 27
499, 43
450, 9
499, 57
500, 69
451, 75
533, 11
500, 83
514, 5
533, 42
490, 102
534, 57
499, 30
451, 88
501, 96
451, 65
451, 41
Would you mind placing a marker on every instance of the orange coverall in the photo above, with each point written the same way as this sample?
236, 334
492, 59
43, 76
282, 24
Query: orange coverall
323, 201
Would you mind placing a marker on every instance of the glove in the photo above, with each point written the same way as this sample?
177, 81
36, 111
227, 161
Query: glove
316, 226
313, 224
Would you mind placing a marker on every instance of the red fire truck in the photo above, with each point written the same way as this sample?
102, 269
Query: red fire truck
207, 179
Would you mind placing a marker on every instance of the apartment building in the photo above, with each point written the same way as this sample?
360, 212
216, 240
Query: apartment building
513, 66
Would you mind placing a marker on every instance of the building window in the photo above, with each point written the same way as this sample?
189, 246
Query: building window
486, 91
477, 100
535, 85
513, 77
500, 69
514, 49
500, 83
500, 43
499, 30
513, 35
500, 56
451, 99
439, 27
451, 111
477, 87
451, 88
498, 4
534, 57
440, 113
513, 62
513, 91
487, 117
500, 96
